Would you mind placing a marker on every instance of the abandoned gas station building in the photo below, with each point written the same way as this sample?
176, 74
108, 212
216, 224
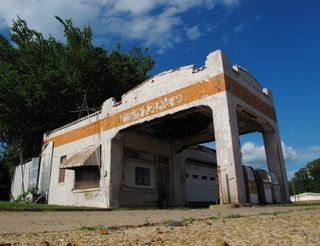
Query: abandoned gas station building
144, 149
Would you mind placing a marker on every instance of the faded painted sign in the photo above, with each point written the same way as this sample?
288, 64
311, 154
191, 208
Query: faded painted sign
162, 104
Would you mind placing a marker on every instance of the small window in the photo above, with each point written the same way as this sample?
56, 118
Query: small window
195, 176
87, 177
212, 178
142, 176
204, 177
187, 175
62, 171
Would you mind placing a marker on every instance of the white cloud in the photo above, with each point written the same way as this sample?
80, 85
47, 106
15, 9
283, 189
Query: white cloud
153, 22
238, 28
138, 8
304, 156
315, 148
309, 154
193, 32
290, 174
289, 153
3, 23
253, 153
231, 3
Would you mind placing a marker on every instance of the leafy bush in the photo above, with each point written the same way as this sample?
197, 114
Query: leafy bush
27, 197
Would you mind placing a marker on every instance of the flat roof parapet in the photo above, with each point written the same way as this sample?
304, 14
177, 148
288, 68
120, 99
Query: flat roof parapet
73, 123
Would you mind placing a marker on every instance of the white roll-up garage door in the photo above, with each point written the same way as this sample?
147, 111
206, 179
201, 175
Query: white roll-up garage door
201, 182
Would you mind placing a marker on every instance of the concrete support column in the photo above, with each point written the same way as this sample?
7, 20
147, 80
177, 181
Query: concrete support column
180, 198
115, 174
175, 178
228, 151
275, 160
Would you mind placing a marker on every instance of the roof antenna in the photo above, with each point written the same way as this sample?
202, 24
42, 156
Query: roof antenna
84, 107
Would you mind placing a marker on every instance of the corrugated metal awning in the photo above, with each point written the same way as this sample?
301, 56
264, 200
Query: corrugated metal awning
88, 157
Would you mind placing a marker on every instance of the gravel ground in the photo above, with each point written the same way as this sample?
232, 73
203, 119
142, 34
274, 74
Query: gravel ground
46, 221
263, 226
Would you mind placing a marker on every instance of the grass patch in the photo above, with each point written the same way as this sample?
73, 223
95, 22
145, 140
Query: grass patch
92, 227
172, 222
292, 205
233, 216
213, 217
264, 213
279, 212
147, 222
5, 205
189, 219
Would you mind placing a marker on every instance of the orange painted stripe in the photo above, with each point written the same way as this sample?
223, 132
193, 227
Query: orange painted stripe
171, 100
245, 95
202, 89
79, 133
163, 103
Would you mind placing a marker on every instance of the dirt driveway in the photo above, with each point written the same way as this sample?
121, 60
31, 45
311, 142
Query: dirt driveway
35, 222
214, 227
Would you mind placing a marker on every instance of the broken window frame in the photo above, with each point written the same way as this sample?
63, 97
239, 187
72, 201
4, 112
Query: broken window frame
62, 172
86, 177
135, 158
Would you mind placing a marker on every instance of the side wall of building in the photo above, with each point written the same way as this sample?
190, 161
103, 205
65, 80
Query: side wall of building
64, 193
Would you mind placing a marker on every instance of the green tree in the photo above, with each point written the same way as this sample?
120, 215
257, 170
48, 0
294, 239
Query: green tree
42, 80
307, 179
314, 170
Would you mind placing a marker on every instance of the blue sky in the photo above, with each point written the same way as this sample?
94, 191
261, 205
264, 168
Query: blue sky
277, 41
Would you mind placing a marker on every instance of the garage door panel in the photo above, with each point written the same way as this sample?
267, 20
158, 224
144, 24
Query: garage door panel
200, 183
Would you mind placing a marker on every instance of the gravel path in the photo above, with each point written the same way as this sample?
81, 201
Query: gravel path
241, 226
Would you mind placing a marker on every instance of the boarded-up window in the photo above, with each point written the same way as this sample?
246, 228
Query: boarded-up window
87, 177
142, 176
62, 172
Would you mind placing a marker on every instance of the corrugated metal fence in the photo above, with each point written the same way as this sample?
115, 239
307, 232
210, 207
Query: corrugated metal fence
25, 177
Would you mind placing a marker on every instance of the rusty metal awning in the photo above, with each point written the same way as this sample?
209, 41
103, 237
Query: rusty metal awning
87, 157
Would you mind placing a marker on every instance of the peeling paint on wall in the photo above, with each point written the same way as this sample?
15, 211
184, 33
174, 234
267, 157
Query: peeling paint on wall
149, 109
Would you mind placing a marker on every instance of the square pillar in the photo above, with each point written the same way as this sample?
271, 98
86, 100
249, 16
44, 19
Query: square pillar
178, 175
231, 182
275, 160
115, 174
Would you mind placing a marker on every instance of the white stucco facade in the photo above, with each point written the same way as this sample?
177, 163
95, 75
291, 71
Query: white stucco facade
162, 117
